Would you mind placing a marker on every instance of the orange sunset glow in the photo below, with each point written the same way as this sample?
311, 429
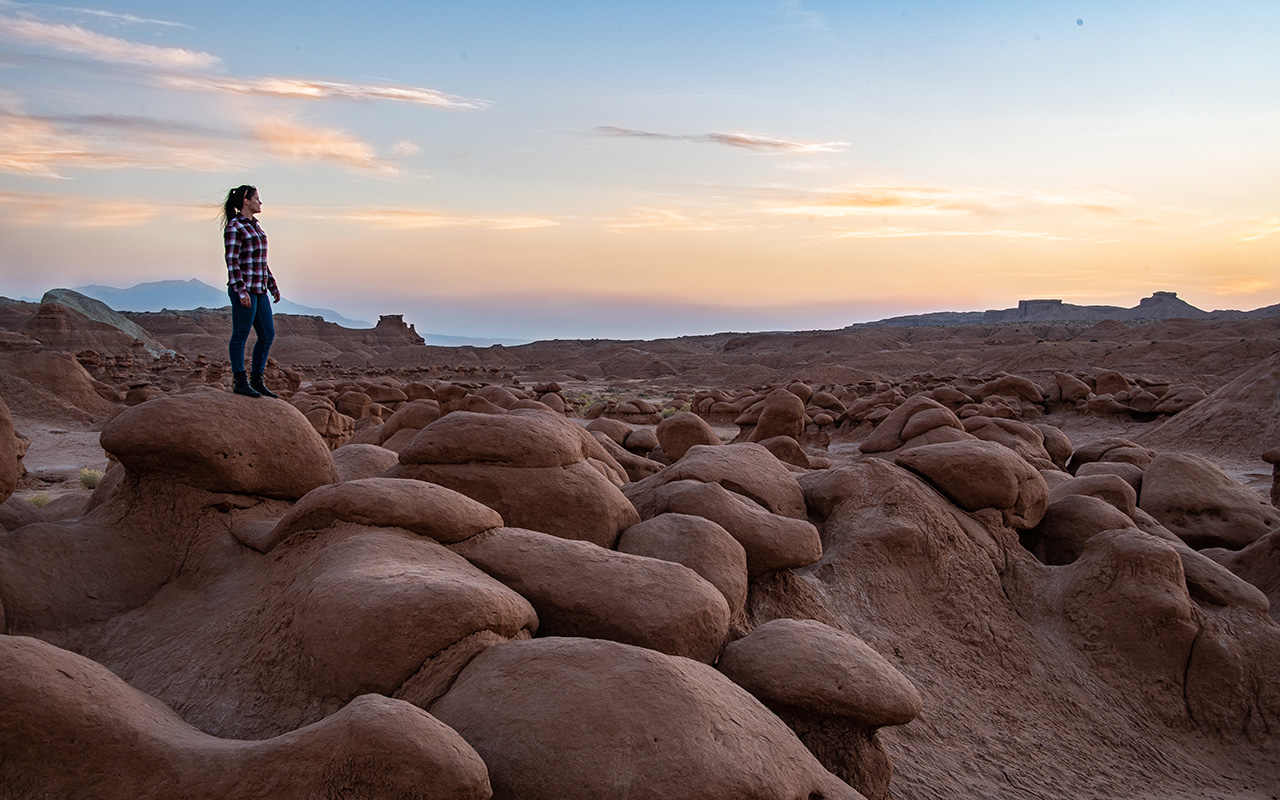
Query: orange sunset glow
501, 169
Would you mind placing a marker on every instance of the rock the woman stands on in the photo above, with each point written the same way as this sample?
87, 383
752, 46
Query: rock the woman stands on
249, 280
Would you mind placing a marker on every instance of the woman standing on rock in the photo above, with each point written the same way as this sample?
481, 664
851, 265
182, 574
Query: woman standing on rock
249, 279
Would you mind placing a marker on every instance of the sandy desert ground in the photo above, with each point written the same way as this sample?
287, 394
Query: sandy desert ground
1022, 560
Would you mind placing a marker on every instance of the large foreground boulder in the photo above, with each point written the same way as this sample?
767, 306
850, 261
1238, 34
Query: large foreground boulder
579, 719
222, 442
70, 728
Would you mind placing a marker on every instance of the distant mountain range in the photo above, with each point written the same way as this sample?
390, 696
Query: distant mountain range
185, 295
177, 295
1160, 305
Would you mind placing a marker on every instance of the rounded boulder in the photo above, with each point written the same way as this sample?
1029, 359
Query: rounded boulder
222, 442
580, 719
806, 665
976, 474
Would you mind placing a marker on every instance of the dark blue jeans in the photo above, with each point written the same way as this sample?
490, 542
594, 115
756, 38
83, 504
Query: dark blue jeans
258, 317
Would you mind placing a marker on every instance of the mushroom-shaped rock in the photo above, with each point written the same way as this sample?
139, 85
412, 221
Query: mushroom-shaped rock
787, 450
700, 544
1108, 381
355, 461
1071, 521
580, 719
641, 441
1204, 505
677, 433
1071, 389
537, 469
890, 433
71, 728
637, 467
334, 427
222, 442
615, 429
746, 468
978, 474
423, 508
1111, 488
414, 415
1113, 449
781, 414
806, 665
1130, 473
1012, 386
1023, 439
523, 438
579, 589
1180, 397
1056, 444
772, 542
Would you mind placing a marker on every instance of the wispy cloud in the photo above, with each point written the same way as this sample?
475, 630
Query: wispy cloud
191, 70
111, 16
83, 43
878, 200
800, 17
912, 233
668, 220
928, 200
46, 145
408, 219
306, 89
1259, 231
1242, 285
73, 211
745, 141
294, 142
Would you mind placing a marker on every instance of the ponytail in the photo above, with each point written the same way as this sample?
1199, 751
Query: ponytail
234, 202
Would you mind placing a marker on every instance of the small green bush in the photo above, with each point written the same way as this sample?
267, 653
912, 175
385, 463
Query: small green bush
39, 500
90, 478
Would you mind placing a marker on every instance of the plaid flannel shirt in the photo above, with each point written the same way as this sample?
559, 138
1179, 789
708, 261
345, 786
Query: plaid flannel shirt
246, 246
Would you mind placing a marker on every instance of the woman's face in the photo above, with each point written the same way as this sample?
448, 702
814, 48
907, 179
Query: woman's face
252, 204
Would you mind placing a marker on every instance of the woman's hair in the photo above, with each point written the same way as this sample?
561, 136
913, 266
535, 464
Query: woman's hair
235, 201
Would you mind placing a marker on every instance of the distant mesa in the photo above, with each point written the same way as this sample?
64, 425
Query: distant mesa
1159, 306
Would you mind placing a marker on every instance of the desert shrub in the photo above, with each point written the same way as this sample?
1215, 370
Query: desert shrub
671, 411
90, 478
39, 500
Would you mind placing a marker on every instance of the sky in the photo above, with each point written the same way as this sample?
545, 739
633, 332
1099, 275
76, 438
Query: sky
538, 170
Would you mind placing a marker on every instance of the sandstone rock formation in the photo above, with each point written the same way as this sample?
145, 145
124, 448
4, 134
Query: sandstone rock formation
546, 715
70, 728
537, 470
421, 575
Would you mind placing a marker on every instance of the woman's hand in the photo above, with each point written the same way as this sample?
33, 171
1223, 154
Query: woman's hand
244, 300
